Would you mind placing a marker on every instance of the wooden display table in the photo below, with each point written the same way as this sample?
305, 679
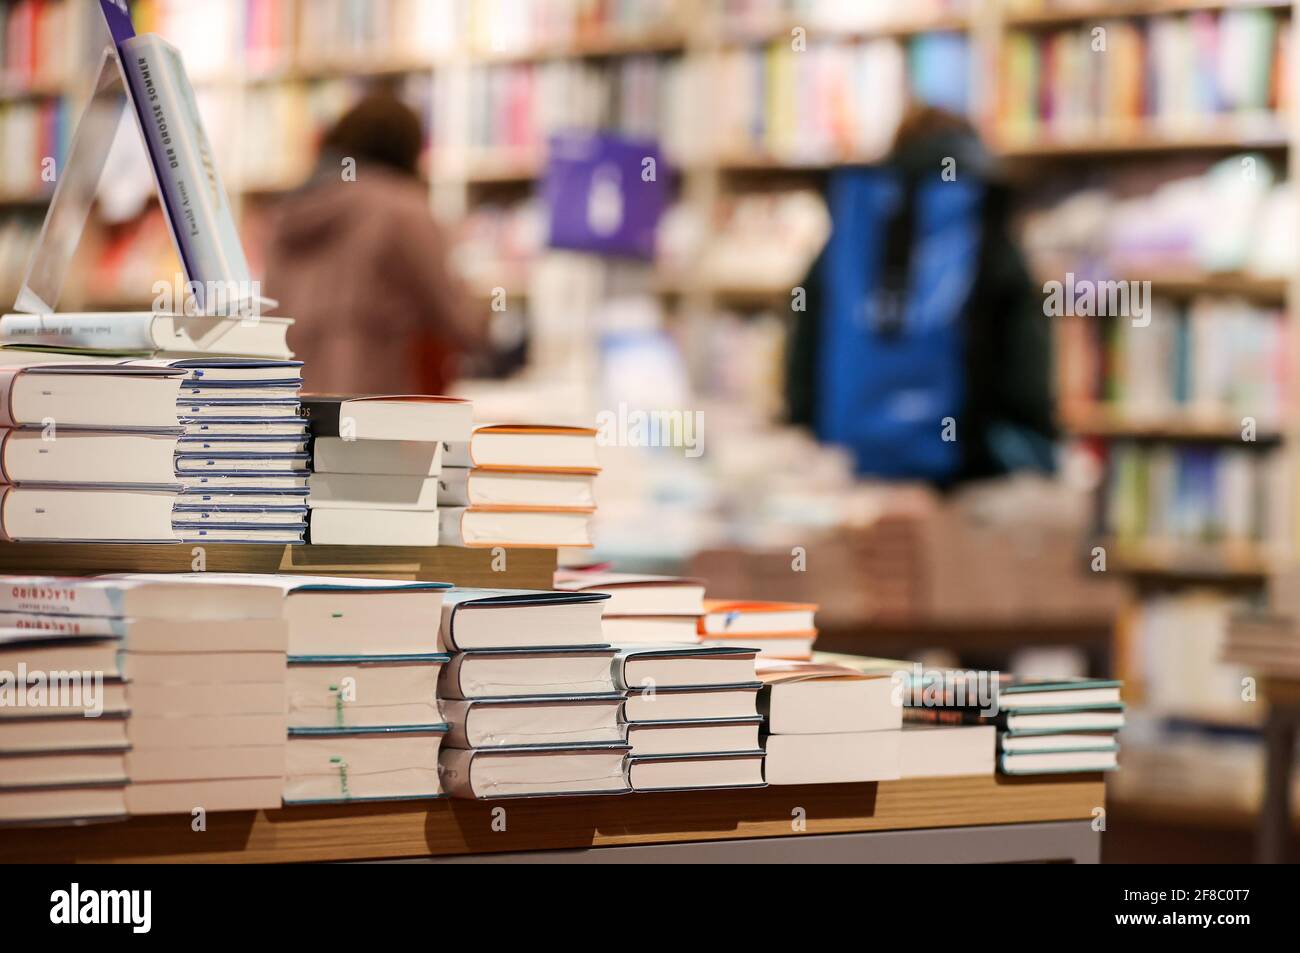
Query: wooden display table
507, 569
409, 829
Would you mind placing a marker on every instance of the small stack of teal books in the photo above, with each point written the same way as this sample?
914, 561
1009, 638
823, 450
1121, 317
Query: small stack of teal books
1045, 725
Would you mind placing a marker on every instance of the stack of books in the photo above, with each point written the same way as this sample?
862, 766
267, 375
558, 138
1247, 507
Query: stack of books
530, 697
376, 463
363, 715
232, 443
642, 610
828, 723
1265, 642
242, 460
926, 750
690, 715
781, 630
1045, 726
86, 450
62, 754
203, 658
517, 485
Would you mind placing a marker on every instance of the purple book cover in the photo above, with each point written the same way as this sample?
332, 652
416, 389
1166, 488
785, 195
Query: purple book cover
118, 17
604, 193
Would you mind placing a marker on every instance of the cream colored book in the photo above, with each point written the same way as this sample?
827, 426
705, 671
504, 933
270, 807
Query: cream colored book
364, 692
684, 772
518, 528
353, 764
525, 447
522, 489
834, 758
489, 773
811, 698
507, 722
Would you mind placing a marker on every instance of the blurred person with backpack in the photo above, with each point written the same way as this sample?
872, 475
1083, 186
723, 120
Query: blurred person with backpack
923, 349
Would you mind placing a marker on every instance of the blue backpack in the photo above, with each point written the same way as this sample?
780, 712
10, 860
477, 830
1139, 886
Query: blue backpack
897, 275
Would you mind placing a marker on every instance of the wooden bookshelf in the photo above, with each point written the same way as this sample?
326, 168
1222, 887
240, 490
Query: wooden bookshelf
1100, 422
523, 568
1261, 290
905, 26
590, 47
449, 827
1063, 14
1269, 136
1190, 562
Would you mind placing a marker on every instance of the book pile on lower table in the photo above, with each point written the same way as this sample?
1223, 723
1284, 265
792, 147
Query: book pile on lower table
199, 721
927, 749
97, 448
519, 485
376, 461
780, 630
828, 723
242, 460
653, 610
690, 716
1044, 725
363, 716
529, 695
87, 449
642, 609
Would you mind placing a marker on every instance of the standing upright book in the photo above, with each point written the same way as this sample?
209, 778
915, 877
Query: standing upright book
183, 162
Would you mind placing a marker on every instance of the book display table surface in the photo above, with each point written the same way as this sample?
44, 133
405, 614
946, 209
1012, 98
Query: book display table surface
496, 568
965, 818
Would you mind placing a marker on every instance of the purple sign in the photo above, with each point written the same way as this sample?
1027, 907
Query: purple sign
604, 193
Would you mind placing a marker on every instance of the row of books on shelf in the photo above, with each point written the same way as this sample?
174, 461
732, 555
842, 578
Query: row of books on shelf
260, 36
239, 692
44, 43
47, 43
1199, 497
1175, 653
34, 138
834, 99
1214, 360
1113, 76
1233, 218
514, 107
1264, 642
746, 18
288, 119
17, 233
506, 26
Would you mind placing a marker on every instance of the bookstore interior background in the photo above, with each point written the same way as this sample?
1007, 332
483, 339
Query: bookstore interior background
967, 321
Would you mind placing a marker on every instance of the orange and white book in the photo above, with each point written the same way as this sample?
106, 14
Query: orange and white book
481, 527
527, 447
634, 594
516, 489
783, 630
